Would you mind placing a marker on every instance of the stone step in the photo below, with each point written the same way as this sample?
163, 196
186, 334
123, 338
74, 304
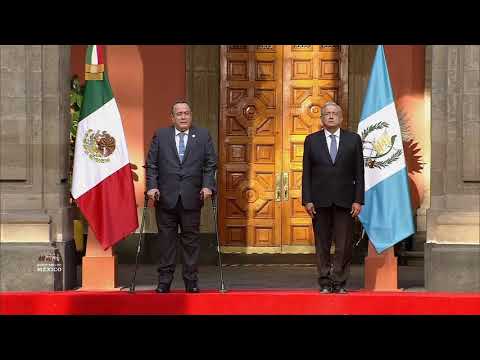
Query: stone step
410, 258
413, 254
414, 262
420, 236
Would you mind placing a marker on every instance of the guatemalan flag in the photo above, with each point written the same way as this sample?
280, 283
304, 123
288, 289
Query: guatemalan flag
387, 215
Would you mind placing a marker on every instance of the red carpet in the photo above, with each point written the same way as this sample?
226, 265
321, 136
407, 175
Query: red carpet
239, 302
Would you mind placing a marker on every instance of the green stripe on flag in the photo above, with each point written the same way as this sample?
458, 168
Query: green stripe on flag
97, 93
88, 56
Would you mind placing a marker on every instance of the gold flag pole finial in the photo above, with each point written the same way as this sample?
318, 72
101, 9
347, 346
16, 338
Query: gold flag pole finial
94, 71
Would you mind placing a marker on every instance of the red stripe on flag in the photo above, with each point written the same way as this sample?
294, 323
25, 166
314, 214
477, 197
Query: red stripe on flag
100, 54
110, 207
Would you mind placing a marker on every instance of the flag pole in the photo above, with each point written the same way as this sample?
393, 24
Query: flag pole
385, 215
104, 194
381, 270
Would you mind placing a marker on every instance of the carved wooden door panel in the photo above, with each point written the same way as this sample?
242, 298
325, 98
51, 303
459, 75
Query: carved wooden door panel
270, 100
310, 79
250, 138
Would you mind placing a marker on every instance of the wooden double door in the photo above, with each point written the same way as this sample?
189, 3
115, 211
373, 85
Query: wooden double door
270, 100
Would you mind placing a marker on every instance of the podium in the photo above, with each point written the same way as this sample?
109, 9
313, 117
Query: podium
99, 267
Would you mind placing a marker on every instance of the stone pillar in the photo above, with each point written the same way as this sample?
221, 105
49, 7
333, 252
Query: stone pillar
202, 83
36, 242
427, 146
452, 251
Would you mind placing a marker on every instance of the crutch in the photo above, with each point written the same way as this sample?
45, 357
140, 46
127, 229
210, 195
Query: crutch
214, 206
139, 245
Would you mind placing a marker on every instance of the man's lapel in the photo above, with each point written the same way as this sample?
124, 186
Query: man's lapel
192, 137
172, 144
324, 145
341, 145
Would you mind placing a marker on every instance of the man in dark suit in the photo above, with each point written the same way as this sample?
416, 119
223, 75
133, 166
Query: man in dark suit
332, 193
181, 168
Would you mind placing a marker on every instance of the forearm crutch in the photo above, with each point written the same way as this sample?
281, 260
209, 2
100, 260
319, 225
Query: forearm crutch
214, 206
139, 245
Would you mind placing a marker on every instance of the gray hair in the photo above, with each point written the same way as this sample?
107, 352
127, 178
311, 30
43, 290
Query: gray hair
330, 103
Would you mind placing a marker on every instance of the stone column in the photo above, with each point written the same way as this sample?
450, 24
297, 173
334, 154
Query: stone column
36, 246
427, 146
452, 251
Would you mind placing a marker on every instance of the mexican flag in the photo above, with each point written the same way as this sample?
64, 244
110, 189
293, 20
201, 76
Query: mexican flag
102, 184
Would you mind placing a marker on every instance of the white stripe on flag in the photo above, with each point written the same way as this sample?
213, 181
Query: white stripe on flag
389, 115
87, 173
94, 55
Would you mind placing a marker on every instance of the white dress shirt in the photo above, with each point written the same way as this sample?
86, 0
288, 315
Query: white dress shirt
177, 138
329, 139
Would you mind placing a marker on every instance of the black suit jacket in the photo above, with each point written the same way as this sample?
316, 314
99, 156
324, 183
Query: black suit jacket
325, 183
172, 178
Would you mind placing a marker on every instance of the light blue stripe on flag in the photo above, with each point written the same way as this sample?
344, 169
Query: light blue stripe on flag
379, 90
387, 215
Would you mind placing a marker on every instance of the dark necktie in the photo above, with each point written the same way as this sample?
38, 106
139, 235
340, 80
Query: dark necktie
181, 146
333, 147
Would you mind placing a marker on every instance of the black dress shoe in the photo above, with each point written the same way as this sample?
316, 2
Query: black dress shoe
163, 288
325, 289
339, 290
191, 287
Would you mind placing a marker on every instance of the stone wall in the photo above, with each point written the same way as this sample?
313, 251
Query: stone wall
453, 221
34, 127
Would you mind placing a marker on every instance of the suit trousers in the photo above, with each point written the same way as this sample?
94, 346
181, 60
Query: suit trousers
330, 223
168, 221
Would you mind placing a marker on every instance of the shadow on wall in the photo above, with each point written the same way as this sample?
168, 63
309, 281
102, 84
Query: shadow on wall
413, 155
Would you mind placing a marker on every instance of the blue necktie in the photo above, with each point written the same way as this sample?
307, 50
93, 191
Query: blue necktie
181, 146
333, 147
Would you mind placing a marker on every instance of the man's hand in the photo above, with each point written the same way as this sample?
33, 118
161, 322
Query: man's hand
205, 193
153, 194
356, 209
310, 208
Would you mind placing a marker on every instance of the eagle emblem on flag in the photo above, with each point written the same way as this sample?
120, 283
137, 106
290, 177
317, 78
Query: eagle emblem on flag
98, 145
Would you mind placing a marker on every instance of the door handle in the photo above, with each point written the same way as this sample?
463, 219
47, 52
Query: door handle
278, 187
285, 186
